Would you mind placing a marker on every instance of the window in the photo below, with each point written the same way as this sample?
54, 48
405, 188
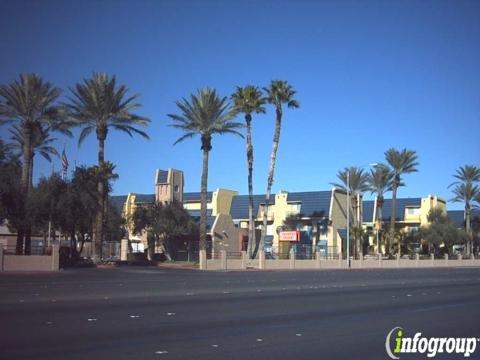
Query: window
413, 211
295, 208
177, 188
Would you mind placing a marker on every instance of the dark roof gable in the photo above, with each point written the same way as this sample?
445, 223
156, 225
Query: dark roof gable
162, 177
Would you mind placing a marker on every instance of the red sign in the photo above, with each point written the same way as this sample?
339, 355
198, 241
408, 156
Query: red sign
290, 236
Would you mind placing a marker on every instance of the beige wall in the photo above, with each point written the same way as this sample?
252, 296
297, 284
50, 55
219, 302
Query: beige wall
338, 217
195, 205
216, 264
172, 190
222, 201
225, 236
30, 262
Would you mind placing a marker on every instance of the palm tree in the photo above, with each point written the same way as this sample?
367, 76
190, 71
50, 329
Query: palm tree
204, 114
98, 104
278, 93
30, 102
249, 100
466, 190
356, 179
400, 162
379, 182
41, 144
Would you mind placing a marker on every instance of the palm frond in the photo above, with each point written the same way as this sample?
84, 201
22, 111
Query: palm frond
466, 174
99, 103
248, 100
186, 136
84, 133
31, 100
130, 130
204, 113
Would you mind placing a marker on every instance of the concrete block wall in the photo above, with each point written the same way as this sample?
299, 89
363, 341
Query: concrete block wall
285, 264
30, 262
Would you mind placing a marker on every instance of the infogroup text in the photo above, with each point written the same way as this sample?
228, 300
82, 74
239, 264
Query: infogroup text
397, 343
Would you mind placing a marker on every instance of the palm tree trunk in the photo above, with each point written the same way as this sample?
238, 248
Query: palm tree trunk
393, 218
203, 200
271, 173
251, 221
356, 251
28, 238
28, 225
98, 234
19, 246
379, 221
30, 172
468, 227
73, 244
27, 158
25, 182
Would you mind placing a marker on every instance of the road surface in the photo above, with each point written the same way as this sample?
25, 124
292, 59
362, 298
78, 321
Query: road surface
155, 313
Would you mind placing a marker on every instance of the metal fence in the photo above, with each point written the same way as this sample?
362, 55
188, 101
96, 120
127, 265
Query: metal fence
185, 255
34, 250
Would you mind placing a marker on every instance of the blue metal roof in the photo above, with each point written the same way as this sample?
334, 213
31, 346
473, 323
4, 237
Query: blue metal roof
402, 203
239, 208
312, 201
457, 217
368, 211
162, 177
117, 201
195, 196
144, 198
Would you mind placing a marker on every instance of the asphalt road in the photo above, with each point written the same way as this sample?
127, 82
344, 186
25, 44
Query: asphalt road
153, 313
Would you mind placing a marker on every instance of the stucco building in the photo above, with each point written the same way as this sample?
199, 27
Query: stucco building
318, 217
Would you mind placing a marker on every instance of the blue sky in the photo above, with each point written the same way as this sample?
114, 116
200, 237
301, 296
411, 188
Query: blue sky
370, 75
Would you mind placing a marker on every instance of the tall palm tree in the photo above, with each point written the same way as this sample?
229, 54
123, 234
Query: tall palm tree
249, 100
41, 144
357, 181
99, 104
401, 162
29, 102
279, 92
379, 182
466, 190
204, 114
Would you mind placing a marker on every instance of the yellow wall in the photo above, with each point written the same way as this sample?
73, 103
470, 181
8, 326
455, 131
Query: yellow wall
222, 201
128, 209
431, 202
280, 211
338, 217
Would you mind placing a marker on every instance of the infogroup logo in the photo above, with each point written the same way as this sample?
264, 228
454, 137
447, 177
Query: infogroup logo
397, 343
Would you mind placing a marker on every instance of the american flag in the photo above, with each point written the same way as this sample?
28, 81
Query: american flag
64, 163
